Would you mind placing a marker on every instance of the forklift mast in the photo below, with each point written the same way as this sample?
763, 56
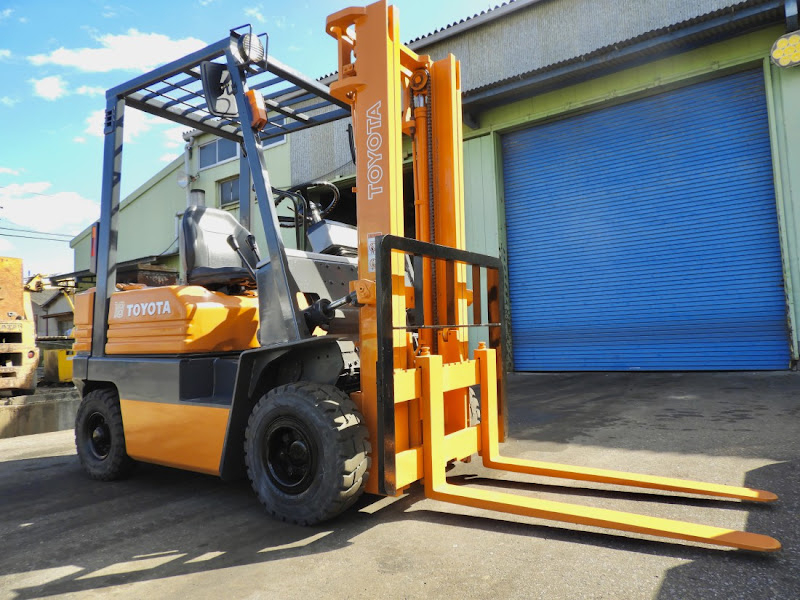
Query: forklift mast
395, 92
415, 387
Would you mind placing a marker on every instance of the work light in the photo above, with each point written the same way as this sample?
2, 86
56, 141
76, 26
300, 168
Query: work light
250, 48
246, 47
786, 50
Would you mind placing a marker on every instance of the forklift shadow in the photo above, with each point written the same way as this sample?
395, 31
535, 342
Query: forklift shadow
167, 523
74, 535
745, 574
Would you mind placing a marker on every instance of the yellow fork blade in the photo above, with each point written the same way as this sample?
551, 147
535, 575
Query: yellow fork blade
599, 517
548, 469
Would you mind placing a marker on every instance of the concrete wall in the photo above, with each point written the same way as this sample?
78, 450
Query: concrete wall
51, 409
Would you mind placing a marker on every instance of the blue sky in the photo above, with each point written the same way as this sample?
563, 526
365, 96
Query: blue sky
58, 58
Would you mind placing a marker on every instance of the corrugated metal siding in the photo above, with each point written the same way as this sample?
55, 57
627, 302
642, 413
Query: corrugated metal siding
321, 152
527, 39
644, 235
546, 33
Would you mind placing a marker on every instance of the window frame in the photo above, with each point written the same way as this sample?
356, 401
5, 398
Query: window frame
237, 155
216, 154
220, 183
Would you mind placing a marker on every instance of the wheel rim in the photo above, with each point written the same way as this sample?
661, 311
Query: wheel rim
289, 455
98, 436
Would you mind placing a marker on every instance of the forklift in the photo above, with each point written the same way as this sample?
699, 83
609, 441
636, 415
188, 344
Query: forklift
341, 366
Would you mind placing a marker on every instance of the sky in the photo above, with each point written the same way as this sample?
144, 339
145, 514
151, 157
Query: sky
57, 58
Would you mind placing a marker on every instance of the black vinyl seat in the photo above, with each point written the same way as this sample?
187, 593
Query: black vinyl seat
208, 260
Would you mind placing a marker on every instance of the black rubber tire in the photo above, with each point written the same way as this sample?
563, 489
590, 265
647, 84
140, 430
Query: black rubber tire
337, 462
100, 408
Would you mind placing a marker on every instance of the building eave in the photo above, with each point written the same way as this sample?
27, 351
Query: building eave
673, 39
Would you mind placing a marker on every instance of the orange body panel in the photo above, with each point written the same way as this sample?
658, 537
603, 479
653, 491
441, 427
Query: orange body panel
186, 436
171, 320
82, 332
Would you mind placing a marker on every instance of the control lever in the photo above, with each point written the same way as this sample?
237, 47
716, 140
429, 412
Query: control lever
235, 247
323, 310
251, 242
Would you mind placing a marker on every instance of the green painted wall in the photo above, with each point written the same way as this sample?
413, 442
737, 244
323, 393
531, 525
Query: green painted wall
650, 78
752, 50
149, 216
783, 88
480, 212
147, 222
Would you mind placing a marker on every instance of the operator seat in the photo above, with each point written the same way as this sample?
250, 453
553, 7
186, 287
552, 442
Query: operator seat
208, 260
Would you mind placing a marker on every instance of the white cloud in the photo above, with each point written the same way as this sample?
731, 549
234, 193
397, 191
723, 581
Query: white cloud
79, 139
133, 50
9, 171
31, 205
173, 137
6, 246
168, 157
5, 13
9, 102
136, 123
255, 12
4, 53
23, 20
88, 90
50, 88
205, 2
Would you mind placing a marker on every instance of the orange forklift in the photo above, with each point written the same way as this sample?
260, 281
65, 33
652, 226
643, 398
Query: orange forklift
342, 365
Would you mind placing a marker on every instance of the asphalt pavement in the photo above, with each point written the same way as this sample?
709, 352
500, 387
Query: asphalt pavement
165, 533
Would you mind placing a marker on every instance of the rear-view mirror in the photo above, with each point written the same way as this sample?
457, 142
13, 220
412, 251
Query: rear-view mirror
218, 90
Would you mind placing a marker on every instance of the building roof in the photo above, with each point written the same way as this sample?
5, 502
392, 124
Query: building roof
481, 18
45, 297
709, 27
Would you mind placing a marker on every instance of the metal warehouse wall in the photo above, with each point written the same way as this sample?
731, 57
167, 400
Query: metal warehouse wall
783, 90
321, 152
783, 87
528, 38
548, 32
559, 29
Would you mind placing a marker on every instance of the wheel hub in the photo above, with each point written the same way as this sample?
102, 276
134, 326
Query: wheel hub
289, 455
99, 436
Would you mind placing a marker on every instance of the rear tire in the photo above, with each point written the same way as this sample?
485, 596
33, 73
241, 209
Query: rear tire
100, 437
307, 452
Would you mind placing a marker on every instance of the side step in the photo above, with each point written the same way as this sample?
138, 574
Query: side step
436, 486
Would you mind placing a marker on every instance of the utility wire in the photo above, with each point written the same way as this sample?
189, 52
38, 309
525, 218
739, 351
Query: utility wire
33, 237
67, 235
168, 247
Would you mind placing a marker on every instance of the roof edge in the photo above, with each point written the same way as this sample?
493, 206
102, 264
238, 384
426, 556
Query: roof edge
467, 23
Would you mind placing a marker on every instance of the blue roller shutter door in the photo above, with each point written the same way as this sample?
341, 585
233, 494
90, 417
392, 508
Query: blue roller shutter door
644, 235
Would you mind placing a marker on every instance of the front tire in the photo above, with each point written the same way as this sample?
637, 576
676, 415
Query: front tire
100, 437
307, 452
